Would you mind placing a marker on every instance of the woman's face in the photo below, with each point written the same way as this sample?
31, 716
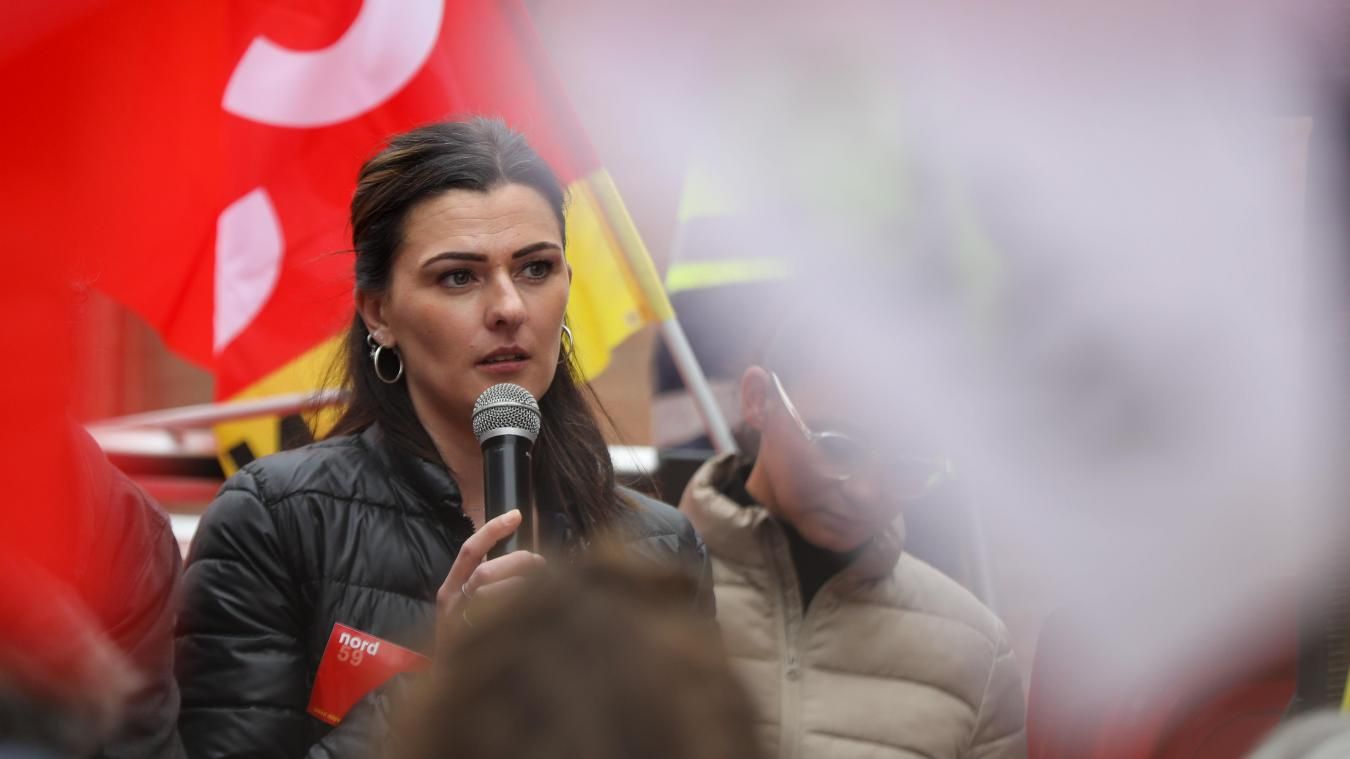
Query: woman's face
476, 296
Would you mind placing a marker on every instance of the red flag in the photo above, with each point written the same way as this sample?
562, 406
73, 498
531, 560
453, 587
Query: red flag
198, 158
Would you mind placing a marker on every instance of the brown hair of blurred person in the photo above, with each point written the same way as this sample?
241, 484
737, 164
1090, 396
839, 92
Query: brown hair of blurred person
603, 660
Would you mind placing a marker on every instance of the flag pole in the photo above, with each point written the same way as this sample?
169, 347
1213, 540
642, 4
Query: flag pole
694, 379
648, 283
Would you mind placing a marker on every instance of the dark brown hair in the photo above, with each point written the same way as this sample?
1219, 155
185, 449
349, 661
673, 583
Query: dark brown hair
572, 469
604, 659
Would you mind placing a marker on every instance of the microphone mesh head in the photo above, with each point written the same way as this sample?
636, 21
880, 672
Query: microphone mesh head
506, 406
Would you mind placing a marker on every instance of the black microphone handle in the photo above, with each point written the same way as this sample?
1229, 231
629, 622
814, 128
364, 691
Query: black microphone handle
506, 486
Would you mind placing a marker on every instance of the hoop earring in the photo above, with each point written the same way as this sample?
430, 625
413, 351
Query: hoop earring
375, 349
568, 343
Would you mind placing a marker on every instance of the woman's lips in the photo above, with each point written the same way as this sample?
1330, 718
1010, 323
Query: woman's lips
510, 366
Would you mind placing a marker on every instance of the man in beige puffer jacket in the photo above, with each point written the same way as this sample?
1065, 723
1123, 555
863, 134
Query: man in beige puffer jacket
849, 646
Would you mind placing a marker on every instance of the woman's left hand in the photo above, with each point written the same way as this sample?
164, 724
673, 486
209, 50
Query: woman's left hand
470, 576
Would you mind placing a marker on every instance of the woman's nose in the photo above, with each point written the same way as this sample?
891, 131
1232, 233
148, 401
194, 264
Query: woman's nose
505, 306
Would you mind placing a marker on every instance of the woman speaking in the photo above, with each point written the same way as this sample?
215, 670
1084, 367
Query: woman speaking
318, 572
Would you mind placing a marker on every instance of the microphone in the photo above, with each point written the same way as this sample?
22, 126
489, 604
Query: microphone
506, 422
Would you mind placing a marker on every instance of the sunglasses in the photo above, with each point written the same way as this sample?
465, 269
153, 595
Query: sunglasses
841, 457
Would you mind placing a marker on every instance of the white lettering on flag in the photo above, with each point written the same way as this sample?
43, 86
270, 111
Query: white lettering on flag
248, 262
382, 50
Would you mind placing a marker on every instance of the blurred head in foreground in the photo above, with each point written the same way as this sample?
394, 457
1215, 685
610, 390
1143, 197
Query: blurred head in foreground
602, 660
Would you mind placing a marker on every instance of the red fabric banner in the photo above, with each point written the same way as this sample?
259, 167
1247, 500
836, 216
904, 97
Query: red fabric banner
196, 160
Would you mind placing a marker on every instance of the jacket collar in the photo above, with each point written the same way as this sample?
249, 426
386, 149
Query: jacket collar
733, 530
728, 528
429, 483
432, 487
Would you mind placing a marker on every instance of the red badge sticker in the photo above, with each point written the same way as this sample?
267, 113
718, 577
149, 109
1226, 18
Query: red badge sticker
354, 663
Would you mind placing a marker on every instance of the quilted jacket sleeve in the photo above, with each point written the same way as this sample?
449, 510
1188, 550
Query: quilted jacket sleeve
661, 534
1000, 730
700, 566
141, 620
240, 655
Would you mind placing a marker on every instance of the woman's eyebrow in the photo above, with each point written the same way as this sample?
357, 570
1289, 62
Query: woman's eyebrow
536, 247
455, 255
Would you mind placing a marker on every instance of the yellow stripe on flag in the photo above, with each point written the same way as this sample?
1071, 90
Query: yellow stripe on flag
262, 434
615, 288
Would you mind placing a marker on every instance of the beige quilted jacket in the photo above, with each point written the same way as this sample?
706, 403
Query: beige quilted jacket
893, 658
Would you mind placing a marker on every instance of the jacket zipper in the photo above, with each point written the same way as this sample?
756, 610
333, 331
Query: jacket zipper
796, 628
789, 708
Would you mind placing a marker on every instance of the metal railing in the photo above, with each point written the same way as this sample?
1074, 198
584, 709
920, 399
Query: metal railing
185, 433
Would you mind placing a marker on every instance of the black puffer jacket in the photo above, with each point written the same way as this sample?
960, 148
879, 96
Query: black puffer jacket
343, 531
